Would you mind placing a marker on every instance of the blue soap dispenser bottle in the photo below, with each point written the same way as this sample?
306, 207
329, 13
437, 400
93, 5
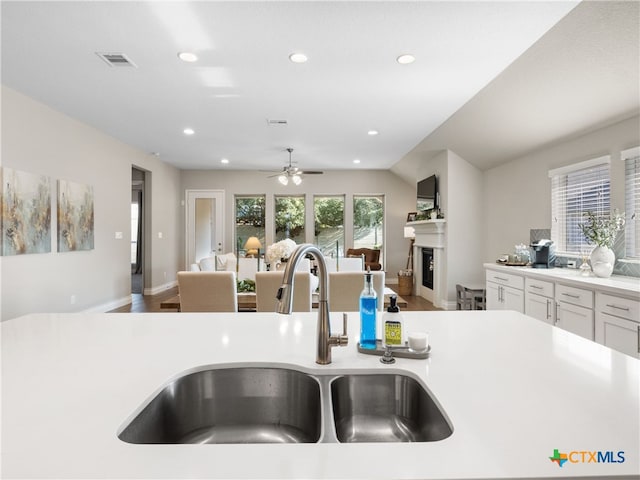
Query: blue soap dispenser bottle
368, 311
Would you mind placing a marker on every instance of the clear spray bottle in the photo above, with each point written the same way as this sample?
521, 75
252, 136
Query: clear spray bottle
368, 311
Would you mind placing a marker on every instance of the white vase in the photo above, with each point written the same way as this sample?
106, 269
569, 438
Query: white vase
602, 261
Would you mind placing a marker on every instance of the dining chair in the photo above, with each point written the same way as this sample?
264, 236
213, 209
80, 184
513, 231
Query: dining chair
207, 291
345, 289
464, 299
268, 283
345, 264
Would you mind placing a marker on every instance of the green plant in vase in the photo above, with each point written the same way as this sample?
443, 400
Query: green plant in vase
602, 231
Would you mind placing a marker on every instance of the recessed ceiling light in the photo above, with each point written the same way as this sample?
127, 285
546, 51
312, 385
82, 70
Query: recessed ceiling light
298, 57
188, 57
405, 59
224, 160
372, 133
189, 131
356, 160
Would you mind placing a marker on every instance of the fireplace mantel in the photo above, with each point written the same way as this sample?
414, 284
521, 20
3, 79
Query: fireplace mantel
429, 233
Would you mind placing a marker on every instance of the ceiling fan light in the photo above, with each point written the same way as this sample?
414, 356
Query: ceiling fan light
297, 179
283, 179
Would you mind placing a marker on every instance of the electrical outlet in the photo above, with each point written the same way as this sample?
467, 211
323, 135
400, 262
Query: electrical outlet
119, 236
571, 264
72, 299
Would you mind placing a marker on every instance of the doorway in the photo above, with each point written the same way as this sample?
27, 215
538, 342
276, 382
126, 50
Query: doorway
137, 230
204, 225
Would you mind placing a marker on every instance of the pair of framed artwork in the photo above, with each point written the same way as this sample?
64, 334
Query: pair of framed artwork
26, 214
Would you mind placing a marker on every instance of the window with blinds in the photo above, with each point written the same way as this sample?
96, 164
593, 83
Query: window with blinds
631, 159
575, 190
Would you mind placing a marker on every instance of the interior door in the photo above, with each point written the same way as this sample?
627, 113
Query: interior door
204, 224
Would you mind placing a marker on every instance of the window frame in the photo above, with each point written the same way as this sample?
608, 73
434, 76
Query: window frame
341, 243
631, 158
576, 189
303, 198
239, 247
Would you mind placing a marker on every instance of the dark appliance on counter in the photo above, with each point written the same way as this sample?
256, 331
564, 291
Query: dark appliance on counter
544, 254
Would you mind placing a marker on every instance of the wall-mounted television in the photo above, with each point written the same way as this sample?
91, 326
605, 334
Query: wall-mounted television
427, 194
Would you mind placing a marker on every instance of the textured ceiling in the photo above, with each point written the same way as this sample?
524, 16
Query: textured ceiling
351, 83
582, 75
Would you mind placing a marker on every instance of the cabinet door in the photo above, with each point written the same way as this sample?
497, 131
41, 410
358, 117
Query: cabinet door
618, 333
494, 296
539, 307
573, 318
513, 299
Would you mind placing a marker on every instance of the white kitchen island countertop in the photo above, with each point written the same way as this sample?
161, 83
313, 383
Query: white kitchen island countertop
514, 389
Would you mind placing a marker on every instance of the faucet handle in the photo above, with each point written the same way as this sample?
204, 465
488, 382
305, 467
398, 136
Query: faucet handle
343, 340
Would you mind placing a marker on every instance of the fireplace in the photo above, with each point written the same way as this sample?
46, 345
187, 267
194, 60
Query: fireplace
427, 268
430, 261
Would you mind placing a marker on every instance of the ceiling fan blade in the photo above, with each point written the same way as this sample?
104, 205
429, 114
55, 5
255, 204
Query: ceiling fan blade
311, 172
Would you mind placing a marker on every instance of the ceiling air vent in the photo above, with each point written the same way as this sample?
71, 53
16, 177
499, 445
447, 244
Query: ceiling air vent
274, 123
116, 59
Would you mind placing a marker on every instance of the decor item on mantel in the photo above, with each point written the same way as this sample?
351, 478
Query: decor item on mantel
602, 231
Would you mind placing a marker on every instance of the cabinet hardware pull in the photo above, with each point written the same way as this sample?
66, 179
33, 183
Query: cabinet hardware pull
638, 338
537, 287
548, 309
570, 295
626, 309
502, 278
555, 322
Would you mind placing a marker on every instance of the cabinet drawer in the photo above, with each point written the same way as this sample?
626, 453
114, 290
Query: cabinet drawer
574, 296
539, 287
508, 279
618, 306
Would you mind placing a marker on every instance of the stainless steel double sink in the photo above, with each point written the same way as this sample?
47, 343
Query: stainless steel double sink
285, 405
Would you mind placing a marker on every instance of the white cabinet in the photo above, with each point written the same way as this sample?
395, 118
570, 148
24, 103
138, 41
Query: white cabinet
618, 323
504, 291
574, 310
575, 319
604, 310
538, 300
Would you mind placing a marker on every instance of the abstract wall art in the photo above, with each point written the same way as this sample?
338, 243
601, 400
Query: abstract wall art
75, 216
26, 212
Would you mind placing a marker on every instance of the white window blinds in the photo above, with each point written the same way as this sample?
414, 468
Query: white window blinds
631, 159
575, 190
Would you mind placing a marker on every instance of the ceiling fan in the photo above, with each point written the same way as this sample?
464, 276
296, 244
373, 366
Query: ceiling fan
289, 172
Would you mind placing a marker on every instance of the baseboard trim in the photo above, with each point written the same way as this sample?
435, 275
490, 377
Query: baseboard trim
160, 288
107, 307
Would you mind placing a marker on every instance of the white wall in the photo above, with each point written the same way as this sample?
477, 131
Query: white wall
518, 193
400, 198
465, 220
39, 140
460, 185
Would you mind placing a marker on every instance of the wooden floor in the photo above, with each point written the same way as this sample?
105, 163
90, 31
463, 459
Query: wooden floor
151, 303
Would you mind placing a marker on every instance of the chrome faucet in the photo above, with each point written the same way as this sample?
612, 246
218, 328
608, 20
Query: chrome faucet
324, 339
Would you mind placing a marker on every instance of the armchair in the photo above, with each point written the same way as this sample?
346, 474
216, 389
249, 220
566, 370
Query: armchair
371, 257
